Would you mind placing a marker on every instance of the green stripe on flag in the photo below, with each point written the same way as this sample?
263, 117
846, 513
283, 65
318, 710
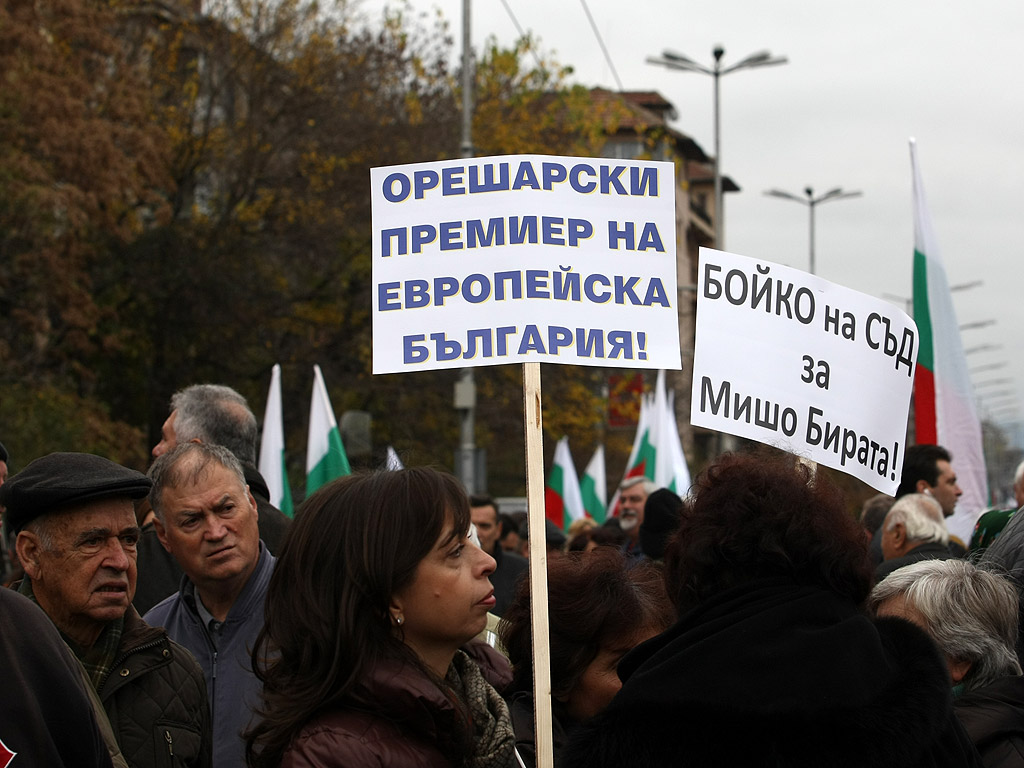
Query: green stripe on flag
922, 312
591, 500
286, 497
647, 455
332, 465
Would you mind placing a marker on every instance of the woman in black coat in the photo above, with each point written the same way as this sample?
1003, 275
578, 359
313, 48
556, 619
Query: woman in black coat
773, 661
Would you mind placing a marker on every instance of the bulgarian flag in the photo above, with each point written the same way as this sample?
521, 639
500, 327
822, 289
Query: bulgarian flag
593, 486
944, 411
563, 502
674, 473
325, 454
272, 465
641, 456
657, 452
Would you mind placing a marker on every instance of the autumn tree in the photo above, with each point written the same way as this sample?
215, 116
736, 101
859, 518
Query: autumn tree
80, 158
190, 202
267, 257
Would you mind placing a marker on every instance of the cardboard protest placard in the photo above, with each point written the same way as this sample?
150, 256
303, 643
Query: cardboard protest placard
792, 360
524, 258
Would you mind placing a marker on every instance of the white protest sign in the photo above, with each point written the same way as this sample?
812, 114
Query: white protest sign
524, 258
791, 360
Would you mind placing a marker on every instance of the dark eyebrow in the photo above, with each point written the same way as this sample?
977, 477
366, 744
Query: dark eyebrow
92, 533
132, 530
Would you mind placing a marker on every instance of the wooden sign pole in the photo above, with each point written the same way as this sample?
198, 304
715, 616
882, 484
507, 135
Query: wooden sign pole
538, 564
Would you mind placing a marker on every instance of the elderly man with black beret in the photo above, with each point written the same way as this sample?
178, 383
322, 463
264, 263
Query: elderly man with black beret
76, 538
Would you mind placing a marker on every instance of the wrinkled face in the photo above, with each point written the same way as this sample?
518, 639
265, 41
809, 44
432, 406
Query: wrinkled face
487, 526
211, 527
631, 507
88, 578
447, 601
600, 680
946, 491
168, 437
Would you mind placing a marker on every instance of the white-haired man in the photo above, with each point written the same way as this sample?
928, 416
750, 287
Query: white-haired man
914, 530
633, 493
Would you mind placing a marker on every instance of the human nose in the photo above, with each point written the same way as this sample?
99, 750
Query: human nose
115, 556
486, 563
215, 529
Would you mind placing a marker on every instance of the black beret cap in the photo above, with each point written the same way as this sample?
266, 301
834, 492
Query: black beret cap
59, 480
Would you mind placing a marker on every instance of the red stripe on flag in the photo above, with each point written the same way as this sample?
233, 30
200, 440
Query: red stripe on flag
925, 428
554, 508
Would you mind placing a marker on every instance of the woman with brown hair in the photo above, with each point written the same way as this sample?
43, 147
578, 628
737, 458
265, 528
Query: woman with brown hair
773, 661
599, 607
375, 591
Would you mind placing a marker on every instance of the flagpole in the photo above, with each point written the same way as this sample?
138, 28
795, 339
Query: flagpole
533, 425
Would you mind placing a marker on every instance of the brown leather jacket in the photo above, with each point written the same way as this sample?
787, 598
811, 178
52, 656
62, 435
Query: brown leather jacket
411, 716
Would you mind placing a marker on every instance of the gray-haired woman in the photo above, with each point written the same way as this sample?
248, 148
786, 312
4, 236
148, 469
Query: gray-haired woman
971, 614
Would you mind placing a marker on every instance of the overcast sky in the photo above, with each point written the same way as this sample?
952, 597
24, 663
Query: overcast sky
862, 78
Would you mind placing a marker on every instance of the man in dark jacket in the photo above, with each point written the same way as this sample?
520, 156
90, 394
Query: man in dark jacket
77, 537
56, 729
212, 414
509, 567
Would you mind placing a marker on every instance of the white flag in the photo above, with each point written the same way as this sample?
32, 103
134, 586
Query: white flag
272, 464
325, 453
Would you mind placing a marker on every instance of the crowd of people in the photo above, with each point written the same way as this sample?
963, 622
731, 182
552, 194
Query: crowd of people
178, 618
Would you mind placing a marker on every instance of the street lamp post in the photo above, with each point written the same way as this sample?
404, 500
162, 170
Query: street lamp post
810, 201
683, 63
465, 387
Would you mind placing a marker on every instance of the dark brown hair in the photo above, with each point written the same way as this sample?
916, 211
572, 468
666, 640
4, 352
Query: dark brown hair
354, 544
595, 601
921, 462
751, 517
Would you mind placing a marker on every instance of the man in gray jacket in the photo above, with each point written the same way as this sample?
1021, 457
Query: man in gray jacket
206, 518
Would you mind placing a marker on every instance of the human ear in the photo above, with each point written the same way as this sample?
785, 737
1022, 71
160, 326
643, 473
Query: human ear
899, 536
28, 549
958, 669
161, 533
395, 611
